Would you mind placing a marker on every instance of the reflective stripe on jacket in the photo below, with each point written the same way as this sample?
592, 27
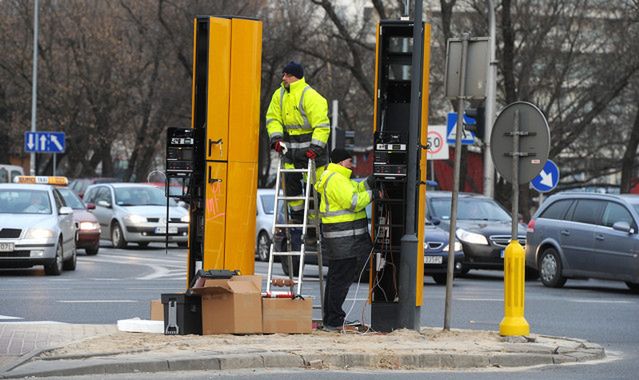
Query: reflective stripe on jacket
343, 211
299, 116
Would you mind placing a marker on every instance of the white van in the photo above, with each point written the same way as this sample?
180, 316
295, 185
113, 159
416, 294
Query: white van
9, 172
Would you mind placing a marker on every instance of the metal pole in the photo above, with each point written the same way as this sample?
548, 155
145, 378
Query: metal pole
55, 164
409, 312
335, 124
515, 162
34, 83
491, 84
455, 195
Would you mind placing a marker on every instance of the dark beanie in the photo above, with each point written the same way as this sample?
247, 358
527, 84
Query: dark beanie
339, 155
295, 69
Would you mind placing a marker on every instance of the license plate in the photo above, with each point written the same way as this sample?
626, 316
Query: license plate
6, 247
162, 230
501, 254
433, 259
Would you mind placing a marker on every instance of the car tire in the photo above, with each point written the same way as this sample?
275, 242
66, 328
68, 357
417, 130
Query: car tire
440, 278
263, 246
54, 268
296, 265
550, 269
92, 251
531, 274
143, 244
71, 262
633, 286
117, 236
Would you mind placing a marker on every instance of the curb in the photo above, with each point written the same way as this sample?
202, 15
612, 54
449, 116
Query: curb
387, 360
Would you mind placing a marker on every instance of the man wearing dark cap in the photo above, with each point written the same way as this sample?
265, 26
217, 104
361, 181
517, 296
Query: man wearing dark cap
297, 119
345, 237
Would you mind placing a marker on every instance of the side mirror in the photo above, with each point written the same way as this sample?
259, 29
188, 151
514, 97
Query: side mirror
65, 210
104, 204
90, 206
623, 227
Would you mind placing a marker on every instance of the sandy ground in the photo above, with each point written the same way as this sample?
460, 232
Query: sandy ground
428, 339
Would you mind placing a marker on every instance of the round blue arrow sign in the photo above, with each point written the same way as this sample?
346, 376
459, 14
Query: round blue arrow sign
547, 179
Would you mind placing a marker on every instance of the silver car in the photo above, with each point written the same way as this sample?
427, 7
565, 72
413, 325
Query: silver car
133, 212
264, 223
36, 228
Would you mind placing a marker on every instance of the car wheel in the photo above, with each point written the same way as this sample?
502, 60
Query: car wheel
117, 236
92, 251
633, 286
440, 278
296, 265
550, 269
263, 246
143, 244
183, 244
71, 262
55, 267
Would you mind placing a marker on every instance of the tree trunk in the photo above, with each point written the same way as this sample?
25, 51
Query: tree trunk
628, 160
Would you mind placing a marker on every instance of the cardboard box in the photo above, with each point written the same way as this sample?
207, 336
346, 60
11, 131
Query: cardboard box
287, 316
157, 310
231, 306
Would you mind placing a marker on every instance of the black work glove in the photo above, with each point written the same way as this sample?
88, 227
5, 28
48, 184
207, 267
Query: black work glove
276, 145
313, 152
371, 181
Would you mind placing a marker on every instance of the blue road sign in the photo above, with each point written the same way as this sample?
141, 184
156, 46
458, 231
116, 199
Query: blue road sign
547, 179
44, 142
468, 138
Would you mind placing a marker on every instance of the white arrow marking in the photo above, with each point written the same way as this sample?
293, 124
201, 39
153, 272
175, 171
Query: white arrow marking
546, 178
30, 143
43, 143
55, 141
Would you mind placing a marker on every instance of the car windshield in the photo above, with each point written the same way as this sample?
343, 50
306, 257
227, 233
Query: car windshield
268, 203
71, 199
141, 196
18, 201
470, 209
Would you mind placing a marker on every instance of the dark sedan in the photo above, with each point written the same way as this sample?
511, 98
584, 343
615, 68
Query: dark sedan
483, 227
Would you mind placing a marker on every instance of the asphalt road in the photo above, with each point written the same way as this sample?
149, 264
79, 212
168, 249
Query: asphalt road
118, 284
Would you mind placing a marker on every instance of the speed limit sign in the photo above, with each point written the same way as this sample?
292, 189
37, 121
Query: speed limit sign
438, 147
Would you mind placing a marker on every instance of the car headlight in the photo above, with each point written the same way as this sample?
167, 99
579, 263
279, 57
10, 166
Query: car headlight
471, 237
186, 218
136, 219
39, 233
89, 226
456, 247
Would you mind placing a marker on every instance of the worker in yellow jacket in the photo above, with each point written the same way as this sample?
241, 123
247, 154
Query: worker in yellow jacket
345, 237
297, 118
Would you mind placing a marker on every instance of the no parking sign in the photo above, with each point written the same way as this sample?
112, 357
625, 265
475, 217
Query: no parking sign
438, 147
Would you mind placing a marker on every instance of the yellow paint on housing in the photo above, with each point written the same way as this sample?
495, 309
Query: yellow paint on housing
215, 215
218, 89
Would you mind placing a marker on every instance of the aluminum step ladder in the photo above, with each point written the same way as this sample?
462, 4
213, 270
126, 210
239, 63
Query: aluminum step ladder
295, 280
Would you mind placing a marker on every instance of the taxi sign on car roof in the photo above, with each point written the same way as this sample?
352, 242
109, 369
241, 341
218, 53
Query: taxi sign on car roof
42, 180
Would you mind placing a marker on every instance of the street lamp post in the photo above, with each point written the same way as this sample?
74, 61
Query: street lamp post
34, 83
491, 85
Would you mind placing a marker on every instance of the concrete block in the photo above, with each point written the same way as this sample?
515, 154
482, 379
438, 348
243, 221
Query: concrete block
470, 361
282, 360
198, 364
519, 360
360, 359
240, 361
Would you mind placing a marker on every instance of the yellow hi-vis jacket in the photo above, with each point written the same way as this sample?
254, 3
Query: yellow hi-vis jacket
343, 211
299, 116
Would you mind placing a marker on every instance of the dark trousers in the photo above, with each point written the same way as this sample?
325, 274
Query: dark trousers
340, 277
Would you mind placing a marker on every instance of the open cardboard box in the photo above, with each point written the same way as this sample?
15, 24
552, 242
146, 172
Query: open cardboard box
231, 306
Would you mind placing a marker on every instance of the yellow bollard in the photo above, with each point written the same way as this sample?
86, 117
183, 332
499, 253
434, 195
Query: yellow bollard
514, 323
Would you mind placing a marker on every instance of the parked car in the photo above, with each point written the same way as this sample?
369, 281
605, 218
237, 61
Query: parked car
133, 212
36, 228
484, 227
264, 223
87, 227
585, 235
436, 253
9, 172
80, 185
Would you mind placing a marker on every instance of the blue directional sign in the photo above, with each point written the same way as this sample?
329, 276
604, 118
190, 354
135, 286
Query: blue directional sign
44, 142
547, 179
468, 138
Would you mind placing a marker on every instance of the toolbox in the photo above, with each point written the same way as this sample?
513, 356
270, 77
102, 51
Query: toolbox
182, 314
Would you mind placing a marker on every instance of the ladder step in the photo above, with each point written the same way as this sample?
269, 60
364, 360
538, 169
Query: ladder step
292, 198
289, 225
288, 253
293, 170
